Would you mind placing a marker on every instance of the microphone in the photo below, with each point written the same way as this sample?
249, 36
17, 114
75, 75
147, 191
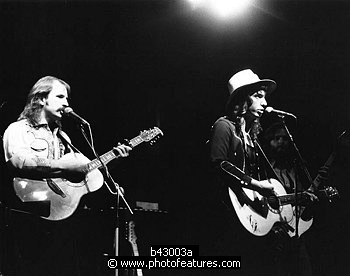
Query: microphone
68, 111
270, 109
2, 104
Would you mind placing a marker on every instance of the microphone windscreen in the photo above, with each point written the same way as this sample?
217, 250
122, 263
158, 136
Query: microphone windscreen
268, 109
67, 110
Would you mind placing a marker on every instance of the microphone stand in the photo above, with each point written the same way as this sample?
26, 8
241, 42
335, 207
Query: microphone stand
302, 166
3, 244
118, 191
3, 220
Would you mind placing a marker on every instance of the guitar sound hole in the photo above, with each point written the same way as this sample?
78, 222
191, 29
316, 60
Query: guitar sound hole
273, 202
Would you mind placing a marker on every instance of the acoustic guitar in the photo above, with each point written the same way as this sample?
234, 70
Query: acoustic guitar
64, 195
258, 214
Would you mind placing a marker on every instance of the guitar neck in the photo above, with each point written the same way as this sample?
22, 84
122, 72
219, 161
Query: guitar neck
136, 253
301, 197
105, 159
109, 156
135, 249
290, 198
323, 171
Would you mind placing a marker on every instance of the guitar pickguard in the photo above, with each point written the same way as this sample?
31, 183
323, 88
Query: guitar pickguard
256, 214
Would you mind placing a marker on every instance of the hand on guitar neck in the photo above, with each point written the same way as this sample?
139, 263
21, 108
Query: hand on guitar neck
123, 150
74, 168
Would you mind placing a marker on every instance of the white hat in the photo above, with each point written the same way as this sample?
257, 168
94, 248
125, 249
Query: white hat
246, 82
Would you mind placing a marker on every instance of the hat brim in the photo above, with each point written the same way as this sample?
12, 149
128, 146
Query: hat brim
251, 88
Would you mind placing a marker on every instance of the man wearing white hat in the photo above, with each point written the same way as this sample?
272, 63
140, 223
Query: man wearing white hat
233, 135
232, 140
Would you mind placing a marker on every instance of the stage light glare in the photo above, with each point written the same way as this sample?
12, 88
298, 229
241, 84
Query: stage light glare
196, 3
222, 9
225, 8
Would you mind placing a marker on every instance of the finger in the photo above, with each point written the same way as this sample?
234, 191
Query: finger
118, 150
122, 151
126, 149
312, 196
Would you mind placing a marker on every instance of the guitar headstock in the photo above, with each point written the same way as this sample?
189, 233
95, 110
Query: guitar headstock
151, 135
331, 193
131, 232
343, 141
132, 239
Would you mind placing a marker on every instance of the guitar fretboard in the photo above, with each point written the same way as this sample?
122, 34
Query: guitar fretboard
109, 156
290, 198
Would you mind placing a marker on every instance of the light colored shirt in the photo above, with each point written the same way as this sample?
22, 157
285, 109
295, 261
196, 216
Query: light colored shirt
27, 141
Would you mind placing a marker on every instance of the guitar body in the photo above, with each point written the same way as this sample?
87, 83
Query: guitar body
63, 195
256, 214
303, 225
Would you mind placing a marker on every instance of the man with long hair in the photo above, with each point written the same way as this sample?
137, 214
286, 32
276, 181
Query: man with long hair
290, 255
233, 135
34, 146
233, 139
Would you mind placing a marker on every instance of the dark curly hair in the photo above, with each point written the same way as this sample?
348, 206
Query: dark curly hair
236, 110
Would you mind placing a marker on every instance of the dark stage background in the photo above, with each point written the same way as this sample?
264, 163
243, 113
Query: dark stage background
137, 64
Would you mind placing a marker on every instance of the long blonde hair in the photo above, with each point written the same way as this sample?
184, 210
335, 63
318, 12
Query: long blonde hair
39, 91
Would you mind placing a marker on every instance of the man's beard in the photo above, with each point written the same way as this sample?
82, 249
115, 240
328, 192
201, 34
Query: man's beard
282, 156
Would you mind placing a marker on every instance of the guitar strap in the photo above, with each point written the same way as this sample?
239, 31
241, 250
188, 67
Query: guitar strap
66, 142
257, 145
